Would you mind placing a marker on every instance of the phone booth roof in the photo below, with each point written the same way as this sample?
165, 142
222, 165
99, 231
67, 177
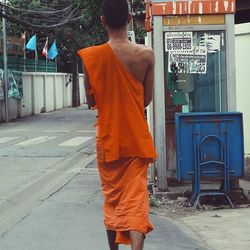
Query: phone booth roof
192, 7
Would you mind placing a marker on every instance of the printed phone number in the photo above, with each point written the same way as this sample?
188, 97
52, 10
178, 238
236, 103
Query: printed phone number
179, 46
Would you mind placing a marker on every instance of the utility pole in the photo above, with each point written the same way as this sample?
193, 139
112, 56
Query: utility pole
75, 82
132, 21
5, 59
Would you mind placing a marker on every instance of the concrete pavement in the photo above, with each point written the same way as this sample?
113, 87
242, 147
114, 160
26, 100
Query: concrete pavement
50, 197
222, 229
72, 219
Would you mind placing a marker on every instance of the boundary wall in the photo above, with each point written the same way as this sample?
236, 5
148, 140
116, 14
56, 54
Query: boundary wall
43, 92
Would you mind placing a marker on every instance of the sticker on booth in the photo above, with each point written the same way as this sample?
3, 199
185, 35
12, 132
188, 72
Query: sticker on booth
188, 62
178, 41
211, 42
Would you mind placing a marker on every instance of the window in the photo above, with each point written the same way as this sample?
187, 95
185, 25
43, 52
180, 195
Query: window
195, 69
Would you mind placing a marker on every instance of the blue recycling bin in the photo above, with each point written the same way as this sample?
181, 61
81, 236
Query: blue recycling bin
209, 146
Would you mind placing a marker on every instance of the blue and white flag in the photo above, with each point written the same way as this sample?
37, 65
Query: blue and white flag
53, 51
31, 43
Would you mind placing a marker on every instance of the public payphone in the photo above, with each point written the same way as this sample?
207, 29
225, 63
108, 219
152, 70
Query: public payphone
194, 46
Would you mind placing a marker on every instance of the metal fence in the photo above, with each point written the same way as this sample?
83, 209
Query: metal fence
29, 65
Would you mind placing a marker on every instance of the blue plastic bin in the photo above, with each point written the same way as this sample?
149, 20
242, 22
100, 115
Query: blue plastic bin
227, 126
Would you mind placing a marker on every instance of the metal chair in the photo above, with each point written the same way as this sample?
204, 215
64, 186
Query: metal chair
211, 160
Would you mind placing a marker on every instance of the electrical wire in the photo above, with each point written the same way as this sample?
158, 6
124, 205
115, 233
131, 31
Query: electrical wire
46, 4
47, 12
40, 19
13, 19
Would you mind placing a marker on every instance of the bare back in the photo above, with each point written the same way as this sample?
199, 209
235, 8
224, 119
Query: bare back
133, 56
139, 62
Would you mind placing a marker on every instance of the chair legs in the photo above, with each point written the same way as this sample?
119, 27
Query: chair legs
195, 200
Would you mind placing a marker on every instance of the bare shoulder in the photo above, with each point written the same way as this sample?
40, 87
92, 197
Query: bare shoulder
145, 53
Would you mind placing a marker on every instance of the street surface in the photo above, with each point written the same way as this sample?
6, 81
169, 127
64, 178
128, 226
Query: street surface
50, 197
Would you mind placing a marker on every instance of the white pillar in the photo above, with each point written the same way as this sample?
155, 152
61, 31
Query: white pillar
231, 68
159, 106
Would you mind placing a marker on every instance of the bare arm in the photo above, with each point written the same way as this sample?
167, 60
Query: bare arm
149, 78
90, 96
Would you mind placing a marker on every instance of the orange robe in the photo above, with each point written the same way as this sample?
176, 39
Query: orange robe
124, 144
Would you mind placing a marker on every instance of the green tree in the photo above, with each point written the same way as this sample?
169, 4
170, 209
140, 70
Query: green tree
86, 31
138, 10
82, 33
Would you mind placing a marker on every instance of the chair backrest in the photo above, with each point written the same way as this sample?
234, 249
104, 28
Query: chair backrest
212, 149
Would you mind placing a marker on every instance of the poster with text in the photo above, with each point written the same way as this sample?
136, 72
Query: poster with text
178, 41
189, 62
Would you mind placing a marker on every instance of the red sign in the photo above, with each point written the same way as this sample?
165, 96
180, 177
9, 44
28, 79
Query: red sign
192, 7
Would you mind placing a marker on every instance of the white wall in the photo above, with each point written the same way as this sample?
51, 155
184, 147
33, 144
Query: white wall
43, 92
47, 92
14, 109
242, 33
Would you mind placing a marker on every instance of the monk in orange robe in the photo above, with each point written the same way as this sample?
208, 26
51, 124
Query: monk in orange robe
119, 78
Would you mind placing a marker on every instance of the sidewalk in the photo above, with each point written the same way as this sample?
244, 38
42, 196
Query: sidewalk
217, 228
71, 219
222, 229
247, 169
227, 229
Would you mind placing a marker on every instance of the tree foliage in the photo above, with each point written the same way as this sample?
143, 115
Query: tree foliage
85, 32
138, 9
88, 31
138, 5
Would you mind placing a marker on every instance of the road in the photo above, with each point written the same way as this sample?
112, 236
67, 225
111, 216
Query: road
50, 197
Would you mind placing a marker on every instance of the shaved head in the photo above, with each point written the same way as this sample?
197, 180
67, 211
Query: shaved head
115, 13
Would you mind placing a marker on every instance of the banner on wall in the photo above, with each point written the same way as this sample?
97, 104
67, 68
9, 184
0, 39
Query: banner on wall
14, 84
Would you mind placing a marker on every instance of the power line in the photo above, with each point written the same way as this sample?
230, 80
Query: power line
44, 19
45, 12
48, 5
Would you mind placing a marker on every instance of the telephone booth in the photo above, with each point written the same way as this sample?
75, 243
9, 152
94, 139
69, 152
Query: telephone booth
194, 47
